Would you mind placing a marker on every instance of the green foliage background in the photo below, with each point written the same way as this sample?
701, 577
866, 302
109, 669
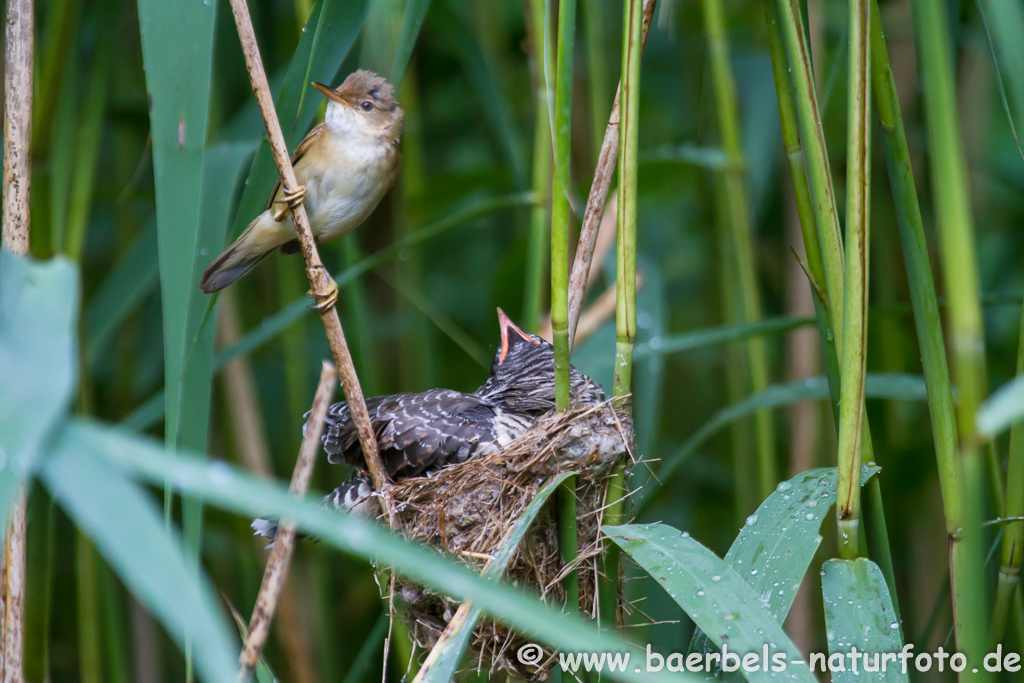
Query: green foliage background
421, 314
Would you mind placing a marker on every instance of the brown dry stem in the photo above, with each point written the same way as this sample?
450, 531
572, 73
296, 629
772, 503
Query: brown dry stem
17, 178
320, 281
284, 540
603, 172
251, 439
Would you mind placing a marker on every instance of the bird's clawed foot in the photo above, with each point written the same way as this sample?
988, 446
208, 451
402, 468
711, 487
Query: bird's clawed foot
291, 200
325, 301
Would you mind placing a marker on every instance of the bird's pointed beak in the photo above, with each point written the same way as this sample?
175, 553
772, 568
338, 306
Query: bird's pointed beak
507, 325
330, 93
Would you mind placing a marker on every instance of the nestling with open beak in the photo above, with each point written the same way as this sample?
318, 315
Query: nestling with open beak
344, 167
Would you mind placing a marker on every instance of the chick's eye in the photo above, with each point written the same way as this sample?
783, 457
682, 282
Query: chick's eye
367, 105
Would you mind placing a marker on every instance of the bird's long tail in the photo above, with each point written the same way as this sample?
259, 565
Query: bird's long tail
262, 236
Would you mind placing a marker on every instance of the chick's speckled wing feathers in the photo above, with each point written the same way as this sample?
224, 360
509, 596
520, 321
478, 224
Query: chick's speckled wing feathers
415, 432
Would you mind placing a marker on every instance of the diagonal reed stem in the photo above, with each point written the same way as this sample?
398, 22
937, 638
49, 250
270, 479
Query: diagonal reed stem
855, 288
284, 541
602, 182
319, 279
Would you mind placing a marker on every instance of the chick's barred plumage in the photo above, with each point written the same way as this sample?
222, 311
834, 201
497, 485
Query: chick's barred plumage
421, 433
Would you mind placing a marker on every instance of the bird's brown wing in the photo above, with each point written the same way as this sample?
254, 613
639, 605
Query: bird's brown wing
300, 151
415, 432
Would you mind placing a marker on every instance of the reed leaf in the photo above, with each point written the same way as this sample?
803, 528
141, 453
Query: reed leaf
221, 485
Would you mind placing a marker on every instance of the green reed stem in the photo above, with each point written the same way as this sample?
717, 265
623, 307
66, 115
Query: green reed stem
536, 251
924, 301
1013, 532
855, 287
808, 116
804, 206
560, 218
89, 654
740, 229
959, 259
560, 211
625, 276
819, 177
1006, 23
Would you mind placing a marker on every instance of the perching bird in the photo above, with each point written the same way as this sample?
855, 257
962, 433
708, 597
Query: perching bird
421, 433
344, 167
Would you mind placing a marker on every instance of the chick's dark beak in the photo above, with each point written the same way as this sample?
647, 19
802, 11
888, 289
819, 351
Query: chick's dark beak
330, 93
506, 325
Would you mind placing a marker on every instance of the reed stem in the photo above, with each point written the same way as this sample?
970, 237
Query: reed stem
541, 184
599, 186
284, 541
923, 299
740, 242
319, 279
959, 260
625, 277
1013, 532
560, 218
819, 177
16, 230
561, 214
804, 207
855, 288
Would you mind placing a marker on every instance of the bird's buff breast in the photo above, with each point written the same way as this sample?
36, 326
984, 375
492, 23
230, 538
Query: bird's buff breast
340, 199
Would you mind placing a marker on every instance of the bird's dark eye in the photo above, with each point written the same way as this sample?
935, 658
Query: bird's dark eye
367, 105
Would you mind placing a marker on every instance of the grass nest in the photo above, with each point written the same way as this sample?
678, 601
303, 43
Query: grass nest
467, 510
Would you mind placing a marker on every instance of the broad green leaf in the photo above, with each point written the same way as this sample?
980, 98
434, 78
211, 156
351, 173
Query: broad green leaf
1004, 407
859, 614
450, 654
123, 288
333, 26
38, 359
891, 386
776, 545
126, 526
715, 597
178, 83
221, 485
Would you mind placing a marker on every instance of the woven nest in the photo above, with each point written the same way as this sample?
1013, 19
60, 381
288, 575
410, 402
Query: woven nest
467, 510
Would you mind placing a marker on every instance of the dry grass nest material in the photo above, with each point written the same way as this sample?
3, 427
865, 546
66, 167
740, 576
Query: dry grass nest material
467, 510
